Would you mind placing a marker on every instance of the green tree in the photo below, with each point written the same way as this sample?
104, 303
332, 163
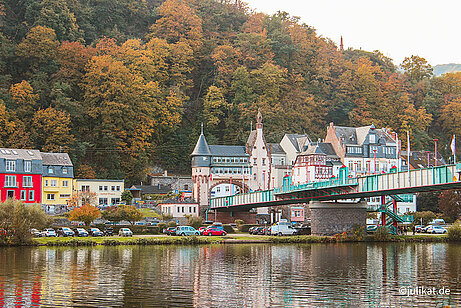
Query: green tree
17, 219
50, 130
130, 213
450, 204
127, 196
39, 46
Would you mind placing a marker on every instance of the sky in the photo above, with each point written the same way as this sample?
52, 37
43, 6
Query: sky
399, 29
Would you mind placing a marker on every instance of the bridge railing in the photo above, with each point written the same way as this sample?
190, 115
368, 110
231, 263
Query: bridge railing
240, 199
315, 185
413, 178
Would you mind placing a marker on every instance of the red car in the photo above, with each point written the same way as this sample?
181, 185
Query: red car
201, 229
214, 231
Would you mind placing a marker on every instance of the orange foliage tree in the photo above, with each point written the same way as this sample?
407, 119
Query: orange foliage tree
86, 213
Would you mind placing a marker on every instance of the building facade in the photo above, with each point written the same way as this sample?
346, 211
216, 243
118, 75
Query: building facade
364, 150
179, 209
293, 145
21, 175
106, 192
57, 179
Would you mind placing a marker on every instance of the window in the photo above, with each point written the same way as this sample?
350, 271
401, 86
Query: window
218, 189
11, 165
85, 187
372, 138
112, 188
46, 183
10, 181
54, 183
64, 170
254, 176
50, 170
102, 201
227, 188
49, 196
65, 183
64, 196
115, 201
27, 166
183, 209
118, 188
10, 194
190, 209
255, 161
264, 161
100, 188
27, 181
31, 195
105, 188
186, 187
23, 195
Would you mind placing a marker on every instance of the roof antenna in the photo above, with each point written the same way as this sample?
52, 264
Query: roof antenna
202, 129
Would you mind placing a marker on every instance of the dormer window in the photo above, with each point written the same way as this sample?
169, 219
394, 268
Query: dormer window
11, 165
372, 138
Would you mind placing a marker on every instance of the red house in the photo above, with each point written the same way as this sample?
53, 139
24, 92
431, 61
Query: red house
21, 175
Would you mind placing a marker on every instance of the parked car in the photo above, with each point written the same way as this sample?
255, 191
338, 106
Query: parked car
108, 231
418, 228
125, 232
424, 230
372, 228
64, 231
170, 231
213, 231
436, 229
96, 232
437, 221
49, 232
257, 230
80, 232
303, 230
33, 232
261, 231
186, 230
251, 230
282, 228
201, 229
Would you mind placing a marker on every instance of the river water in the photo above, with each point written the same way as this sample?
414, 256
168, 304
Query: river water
234, 275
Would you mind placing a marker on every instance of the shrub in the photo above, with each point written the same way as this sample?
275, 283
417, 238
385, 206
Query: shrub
239, 222
454, 232
194, 221
228, 228
161, 226
358, 232
382, 234
172, 224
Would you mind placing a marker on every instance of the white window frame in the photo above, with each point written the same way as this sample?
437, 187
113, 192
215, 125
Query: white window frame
31, 195
27, 166
10, 165
50, 197
10, 181
65, 183
55, 182
29, 183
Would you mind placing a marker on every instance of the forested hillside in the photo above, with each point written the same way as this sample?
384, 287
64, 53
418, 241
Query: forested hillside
123, 85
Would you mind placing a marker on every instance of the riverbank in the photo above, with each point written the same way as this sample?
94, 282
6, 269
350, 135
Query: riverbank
229, 239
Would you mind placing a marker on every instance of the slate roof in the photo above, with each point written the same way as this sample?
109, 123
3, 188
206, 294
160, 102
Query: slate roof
201, 148
152, 189
276, 149
298, 141
357, 135
19, 154
321, 148
251, 139
227, 150
56, 159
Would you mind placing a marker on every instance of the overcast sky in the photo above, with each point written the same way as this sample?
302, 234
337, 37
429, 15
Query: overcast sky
398, 28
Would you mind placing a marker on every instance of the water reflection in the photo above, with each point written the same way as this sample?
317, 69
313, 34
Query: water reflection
323, 275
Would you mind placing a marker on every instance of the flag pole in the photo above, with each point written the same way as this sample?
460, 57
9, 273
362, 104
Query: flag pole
408, 157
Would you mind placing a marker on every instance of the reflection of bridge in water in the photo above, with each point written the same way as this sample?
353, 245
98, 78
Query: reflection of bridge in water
344, 188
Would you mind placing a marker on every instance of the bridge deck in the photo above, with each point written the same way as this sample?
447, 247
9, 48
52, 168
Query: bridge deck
418, 180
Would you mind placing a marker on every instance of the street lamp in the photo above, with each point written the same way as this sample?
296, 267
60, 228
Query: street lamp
435, 140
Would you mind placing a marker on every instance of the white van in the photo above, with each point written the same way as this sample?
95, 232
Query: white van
282, 228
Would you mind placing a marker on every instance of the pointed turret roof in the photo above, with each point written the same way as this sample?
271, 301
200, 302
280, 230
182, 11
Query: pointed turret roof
201, 148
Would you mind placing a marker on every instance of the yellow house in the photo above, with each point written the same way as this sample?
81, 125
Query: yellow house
57, 176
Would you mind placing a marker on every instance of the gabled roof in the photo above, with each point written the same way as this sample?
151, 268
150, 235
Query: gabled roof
357, 135
298, 141
56, 159
276, 149
201, 148
227, 150
251, 139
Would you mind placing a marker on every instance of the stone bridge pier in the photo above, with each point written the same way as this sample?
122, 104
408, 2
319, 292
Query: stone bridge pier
329, 218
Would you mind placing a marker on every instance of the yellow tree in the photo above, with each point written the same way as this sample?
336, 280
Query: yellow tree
50, 130
450, 116
178, 23
24, 100
39, 46
86, 213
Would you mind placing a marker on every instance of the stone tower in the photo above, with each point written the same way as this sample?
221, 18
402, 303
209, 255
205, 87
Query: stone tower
201, 173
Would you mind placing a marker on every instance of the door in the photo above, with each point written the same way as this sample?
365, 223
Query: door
10, 194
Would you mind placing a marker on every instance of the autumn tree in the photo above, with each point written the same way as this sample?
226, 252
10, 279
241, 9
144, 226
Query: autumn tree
416, 68
85, 171
39, 46
450, 204
24, 100
50, 130
130, 213
85, 213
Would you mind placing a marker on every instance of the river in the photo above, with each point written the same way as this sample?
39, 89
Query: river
232, 275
